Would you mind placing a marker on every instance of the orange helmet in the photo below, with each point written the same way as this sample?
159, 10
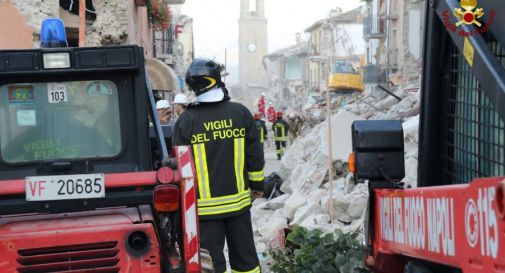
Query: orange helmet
279, 114
257, 116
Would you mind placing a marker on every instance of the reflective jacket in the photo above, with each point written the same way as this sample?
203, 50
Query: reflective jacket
228, 156
271, 114
280, 128
262, 130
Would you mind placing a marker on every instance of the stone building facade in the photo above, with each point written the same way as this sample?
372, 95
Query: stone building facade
393, 30
113, 22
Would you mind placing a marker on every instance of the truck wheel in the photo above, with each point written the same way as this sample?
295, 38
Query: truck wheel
416, 267
207, 266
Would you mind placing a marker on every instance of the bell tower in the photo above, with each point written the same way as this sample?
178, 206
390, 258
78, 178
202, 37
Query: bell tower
252, 47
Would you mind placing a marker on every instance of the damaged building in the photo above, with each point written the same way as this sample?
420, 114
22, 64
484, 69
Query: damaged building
108, 23
393, 31
303, 70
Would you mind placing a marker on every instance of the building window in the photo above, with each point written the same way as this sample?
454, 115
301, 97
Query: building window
253, 6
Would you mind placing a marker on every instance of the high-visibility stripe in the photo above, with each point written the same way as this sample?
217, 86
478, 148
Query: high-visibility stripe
280, 132
224, 208
202, 170
255, 270
222, 200
262, 135
241, 142
238, 151
256, 176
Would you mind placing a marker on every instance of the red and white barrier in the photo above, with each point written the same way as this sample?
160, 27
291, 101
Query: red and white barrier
188, 182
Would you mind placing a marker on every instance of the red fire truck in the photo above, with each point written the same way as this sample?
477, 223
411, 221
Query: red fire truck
454, 221
86, 183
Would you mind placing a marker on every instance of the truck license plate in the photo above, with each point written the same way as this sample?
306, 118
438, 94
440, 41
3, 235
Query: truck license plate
62, 187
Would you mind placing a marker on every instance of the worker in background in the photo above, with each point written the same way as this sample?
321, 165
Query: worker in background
271, 113
180, 104
295, 123
164, 112
280, 128
261, 105
229, 162
262, 128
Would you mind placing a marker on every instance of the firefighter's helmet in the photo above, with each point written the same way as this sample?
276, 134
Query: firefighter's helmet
257, 116
279, 114
203, 75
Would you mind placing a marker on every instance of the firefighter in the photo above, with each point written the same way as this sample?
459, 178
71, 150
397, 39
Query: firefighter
295, 123
261, 105
271, 113
229, 163
262, 128
280, 128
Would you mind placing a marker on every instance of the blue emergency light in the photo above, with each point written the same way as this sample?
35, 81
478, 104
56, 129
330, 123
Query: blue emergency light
52, 33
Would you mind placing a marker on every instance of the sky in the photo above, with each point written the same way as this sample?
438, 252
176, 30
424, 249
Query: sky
215, 25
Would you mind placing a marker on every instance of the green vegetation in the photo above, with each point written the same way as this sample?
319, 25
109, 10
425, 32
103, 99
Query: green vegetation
311, 251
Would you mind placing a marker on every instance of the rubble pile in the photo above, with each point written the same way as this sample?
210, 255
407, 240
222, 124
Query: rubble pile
304, 170
305, 200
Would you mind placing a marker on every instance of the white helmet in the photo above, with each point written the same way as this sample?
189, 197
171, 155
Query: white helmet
161, 104
181, 99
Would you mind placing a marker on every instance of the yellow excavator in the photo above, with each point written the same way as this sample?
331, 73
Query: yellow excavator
344, 77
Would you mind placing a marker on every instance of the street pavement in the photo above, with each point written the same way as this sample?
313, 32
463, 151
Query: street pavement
271, 162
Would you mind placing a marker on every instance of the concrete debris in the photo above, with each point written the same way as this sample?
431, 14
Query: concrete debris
292, 204
306, 211
270, 229
304, 166
341, 135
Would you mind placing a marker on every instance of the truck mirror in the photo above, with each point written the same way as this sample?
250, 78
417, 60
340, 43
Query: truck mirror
378, 150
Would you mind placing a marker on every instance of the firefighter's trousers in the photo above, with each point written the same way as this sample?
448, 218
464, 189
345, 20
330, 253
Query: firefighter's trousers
239, 237
280, 146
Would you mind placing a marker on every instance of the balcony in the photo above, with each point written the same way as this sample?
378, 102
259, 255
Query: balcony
372, 74
163, 45
374, 27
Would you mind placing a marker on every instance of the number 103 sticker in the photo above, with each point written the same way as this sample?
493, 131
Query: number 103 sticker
56, 93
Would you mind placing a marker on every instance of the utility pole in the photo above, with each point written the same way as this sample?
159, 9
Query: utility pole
82, 22
328, 108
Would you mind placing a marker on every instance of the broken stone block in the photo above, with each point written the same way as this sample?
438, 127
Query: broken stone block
387, 103
292, 204
411, 171
357, 205
404, 105
302, 213
341, 135
278, 202
270, 230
